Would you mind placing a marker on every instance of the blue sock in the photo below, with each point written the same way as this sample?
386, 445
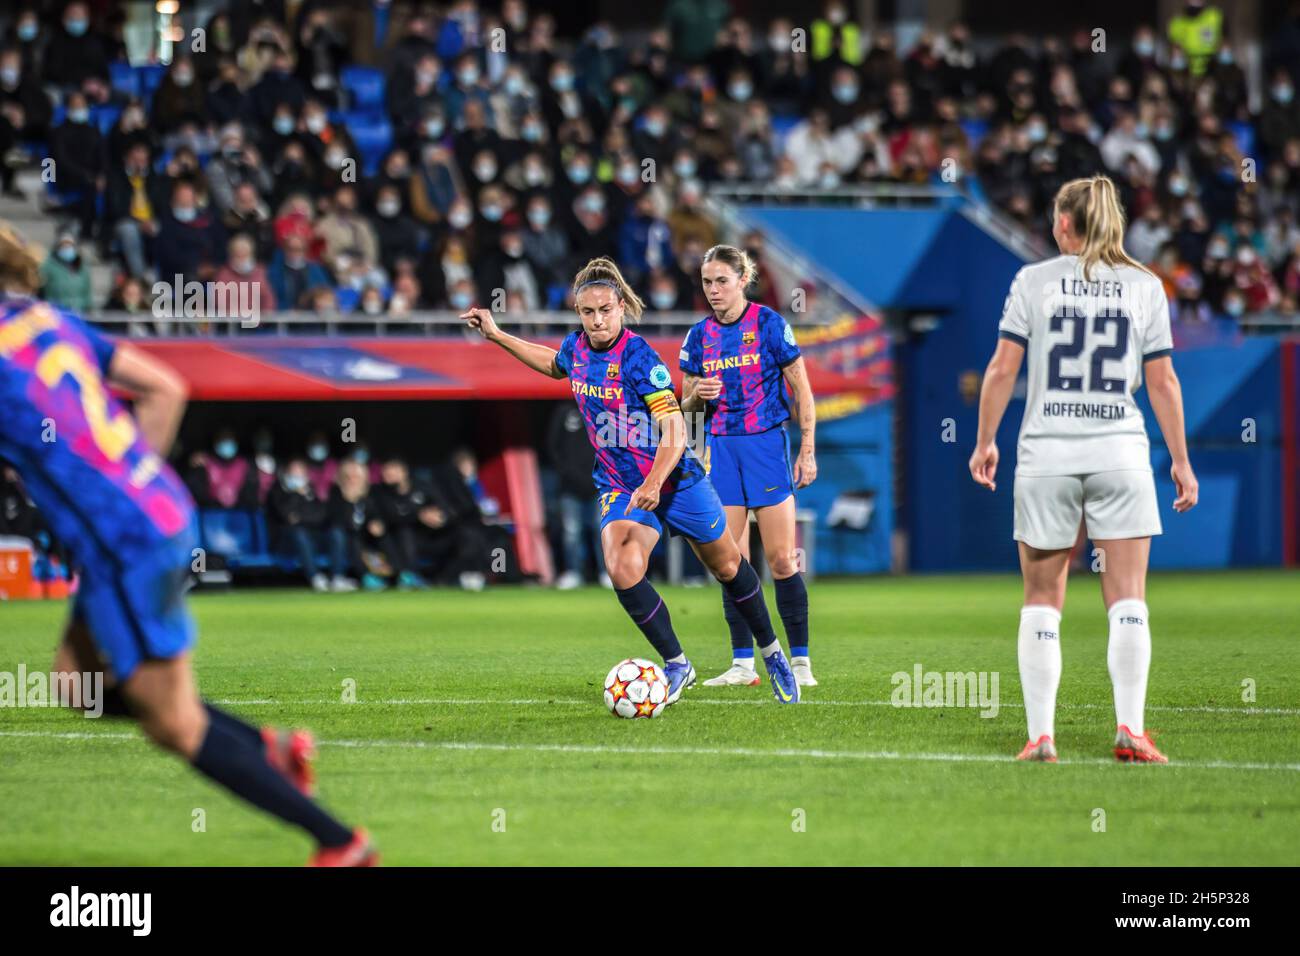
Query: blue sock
228, 757
649, 612
746, 592
792, 605
236, 726
742, 642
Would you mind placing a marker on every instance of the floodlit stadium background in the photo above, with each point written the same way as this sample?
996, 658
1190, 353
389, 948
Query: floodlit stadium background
361, 172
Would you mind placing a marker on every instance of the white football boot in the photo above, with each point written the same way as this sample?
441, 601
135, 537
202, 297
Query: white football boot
737, 675
802, 667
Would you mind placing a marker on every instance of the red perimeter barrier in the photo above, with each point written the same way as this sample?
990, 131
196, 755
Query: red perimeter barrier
324, 369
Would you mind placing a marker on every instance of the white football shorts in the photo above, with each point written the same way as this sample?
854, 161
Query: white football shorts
1115, 504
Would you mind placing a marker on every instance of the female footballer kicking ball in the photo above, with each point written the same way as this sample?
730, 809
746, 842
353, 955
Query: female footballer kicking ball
1094, 323
646, 475
737, 363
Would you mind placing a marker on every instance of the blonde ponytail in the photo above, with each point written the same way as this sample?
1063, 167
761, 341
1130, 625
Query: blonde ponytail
604, 271
20, 262
1097, 218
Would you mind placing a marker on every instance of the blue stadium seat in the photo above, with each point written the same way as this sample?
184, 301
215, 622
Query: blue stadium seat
105, 116
366, 88
123, 78
373, 135
347, 297
150, 76
237, 535
975, 129
1244, 134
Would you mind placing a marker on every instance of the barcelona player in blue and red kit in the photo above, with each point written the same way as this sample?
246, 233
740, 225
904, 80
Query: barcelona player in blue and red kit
647, 476
736, 365
97, 475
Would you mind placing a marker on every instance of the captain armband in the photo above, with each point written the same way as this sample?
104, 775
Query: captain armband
662, 404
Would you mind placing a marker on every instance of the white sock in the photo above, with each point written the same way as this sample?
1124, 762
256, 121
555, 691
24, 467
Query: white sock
1039, 650
1128, 655
745, 662
679, 659
771, 649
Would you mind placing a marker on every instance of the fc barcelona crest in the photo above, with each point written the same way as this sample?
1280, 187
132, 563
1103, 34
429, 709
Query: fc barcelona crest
611, 370
747, 338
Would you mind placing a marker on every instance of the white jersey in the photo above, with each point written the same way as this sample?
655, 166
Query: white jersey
1086, 344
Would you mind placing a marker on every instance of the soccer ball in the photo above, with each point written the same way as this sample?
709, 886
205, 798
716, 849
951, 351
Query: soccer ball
636, 688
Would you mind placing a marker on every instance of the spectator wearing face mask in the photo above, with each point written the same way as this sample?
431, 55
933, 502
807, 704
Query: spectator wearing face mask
466, 94
509, 268
469, 145
292, 275
432, 187
265, 462
348, 236
545, 243
531, 175
65, 278
180, 98
134, 198
238, 162
398, 235
1253, 280
592, 230
77, 150
663, 291
277, 89
223, 97
410, 94
1279, 120
645, 241
75, 51
299, 517
221, 477
327, 142
242, 271
351, 510
22, 96
410, 520
249, 215
688, 221
444, 267
191, 241
322, 467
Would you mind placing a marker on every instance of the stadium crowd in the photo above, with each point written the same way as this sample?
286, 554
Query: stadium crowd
377, 158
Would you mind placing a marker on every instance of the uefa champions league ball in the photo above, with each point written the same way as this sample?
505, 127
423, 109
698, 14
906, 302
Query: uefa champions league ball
636, 688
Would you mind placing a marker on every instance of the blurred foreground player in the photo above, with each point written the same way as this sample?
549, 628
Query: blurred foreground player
97, 474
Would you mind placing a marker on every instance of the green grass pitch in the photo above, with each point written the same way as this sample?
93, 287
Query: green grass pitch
478, 735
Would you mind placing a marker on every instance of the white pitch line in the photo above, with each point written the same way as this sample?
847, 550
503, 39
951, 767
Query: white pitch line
525, 701
814, 754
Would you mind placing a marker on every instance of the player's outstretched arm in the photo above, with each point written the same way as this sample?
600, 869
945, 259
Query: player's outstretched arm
1167, 402
159, 394
995, 393
539, 358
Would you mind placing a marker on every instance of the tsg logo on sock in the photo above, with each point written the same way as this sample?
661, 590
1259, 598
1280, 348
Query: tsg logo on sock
134, 910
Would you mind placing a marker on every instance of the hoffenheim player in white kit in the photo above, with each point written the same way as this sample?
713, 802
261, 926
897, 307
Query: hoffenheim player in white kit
1094, 323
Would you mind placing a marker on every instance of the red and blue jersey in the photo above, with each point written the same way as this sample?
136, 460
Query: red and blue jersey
621, 391
748, 355
104, 492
